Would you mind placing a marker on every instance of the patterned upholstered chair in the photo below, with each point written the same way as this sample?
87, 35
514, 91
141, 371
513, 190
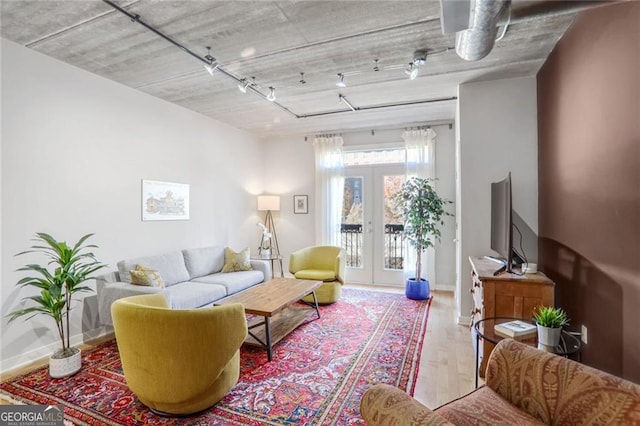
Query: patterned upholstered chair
178, 361
525, 386
320, 263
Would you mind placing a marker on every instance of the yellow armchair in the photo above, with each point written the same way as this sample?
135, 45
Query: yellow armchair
178, 361
320, 263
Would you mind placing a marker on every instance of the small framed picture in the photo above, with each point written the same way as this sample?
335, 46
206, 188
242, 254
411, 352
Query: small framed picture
301, 204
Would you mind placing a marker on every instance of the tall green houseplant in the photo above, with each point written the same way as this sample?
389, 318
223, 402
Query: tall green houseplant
72, 266
423, 210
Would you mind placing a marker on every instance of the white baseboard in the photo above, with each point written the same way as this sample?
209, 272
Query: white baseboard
444, 287
43, 352
462, 320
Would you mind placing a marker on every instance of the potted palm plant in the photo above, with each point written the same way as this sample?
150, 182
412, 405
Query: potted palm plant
423, 211
72, 266
549, 321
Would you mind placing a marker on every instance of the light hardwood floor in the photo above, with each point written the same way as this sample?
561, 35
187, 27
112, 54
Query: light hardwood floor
446, 366
446, 370
447, 363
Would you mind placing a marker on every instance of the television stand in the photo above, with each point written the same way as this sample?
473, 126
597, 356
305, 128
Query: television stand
504, 295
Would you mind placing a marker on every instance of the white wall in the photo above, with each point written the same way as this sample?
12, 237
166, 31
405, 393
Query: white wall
498, 133
290, 170
75, 148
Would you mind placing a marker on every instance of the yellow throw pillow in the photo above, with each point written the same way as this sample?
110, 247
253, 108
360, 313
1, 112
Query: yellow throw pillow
143, 275
234, 262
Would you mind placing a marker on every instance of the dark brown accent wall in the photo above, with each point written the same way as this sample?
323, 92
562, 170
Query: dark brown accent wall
589, 182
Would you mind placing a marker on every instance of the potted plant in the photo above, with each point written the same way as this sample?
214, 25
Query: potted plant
72, 266
423, 210
549, 321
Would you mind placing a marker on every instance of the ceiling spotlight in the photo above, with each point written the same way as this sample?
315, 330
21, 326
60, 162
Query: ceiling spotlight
412, 71
419, 57
272, 94
340, 82
242, 86
212, 65
375, 68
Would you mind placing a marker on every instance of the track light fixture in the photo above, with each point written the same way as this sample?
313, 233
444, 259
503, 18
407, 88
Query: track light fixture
376, 68
302, 80
242, 86
340, 82
419, 57
412, 71
272, 94
212, 64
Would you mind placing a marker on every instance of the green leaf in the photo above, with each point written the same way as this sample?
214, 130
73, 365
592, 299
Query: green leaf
71, 265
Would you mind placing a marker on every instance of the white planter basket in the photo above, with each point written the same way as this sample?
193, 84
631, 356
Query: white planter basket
549, 336
63, 367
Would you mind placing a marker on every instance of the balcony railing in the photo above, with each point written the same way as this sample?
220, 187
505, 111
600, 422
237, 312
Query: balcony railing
351, 237
393, 246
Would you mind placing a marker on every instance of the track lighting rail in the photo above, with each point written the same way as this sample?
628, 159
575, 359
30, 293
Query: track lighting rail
254, 88
370, 107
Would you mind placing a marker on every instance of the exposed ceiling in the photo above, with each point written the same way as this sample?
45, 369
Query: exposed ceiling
275, 41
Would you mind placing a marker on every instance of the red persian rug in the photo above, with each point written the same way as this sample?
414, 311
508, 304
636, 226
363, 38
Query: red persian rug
317, 377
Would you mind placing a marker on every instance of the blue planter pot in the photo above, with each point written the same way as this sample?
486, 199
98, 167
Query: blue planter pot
417, 290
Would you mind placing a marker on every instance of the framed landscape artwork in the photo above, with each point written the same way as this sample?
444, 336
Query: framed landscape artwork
164, 200
301, 204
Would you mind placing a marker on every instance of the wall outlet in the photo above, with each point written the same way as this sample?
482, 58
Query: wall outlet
584, 335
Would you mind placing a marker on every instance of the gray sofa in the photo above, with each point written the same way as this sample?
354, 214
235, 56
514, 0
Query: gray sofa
192, 279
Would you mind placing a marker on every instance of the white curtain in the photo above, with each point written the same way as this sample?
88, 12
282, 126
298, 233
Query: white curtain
419, 144
329, 189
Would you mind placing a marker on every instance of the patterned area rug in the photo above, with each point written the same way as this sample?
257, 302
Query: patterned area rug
317, 377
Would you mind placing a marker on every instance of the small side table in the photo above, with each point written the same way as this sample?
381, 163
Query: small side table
569, 344
273, 259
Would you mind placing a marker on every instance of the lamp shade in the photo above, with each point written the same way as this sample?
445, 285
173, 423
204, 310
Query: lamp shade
269, 202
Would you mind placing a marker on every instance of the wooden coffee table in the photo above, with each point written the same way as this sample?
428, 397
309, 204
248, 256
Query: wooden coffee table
273, 300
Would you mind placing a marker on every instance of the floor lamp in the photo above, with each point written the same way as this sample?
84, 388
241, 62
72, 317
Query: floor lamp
269, 203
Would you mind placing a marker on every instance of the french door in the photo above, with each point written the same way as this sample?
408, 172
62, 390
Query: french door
372, 229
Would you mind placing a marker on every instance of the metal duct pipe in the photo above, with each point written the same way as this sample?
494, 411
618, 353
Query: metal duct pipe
550, 9
476, 42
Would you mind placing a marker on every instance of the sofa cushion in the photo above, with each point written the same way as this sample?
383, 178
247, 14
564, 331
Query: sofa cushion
234, 262
316, 275
146, 276
189, 295
484, 407
233, 282
170, 266
203, 261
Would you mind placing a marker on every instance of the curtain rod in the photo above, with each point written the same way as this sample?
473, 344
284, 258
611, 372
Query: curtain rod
383, 128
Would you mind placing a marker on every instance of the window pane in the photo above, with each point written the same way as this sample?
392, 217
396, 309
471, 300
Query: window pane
393, 224
352, 220
385, 156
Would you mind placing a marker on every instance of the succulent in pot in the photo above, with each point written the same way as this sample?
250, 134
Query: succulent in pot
550, 321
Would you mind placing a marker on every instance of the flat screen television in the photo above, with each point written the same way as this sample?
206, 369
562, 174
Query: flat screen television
502, 222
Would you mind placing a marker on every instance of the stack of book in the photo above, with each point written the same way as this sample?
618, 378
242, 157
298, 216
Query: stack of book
515, 329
